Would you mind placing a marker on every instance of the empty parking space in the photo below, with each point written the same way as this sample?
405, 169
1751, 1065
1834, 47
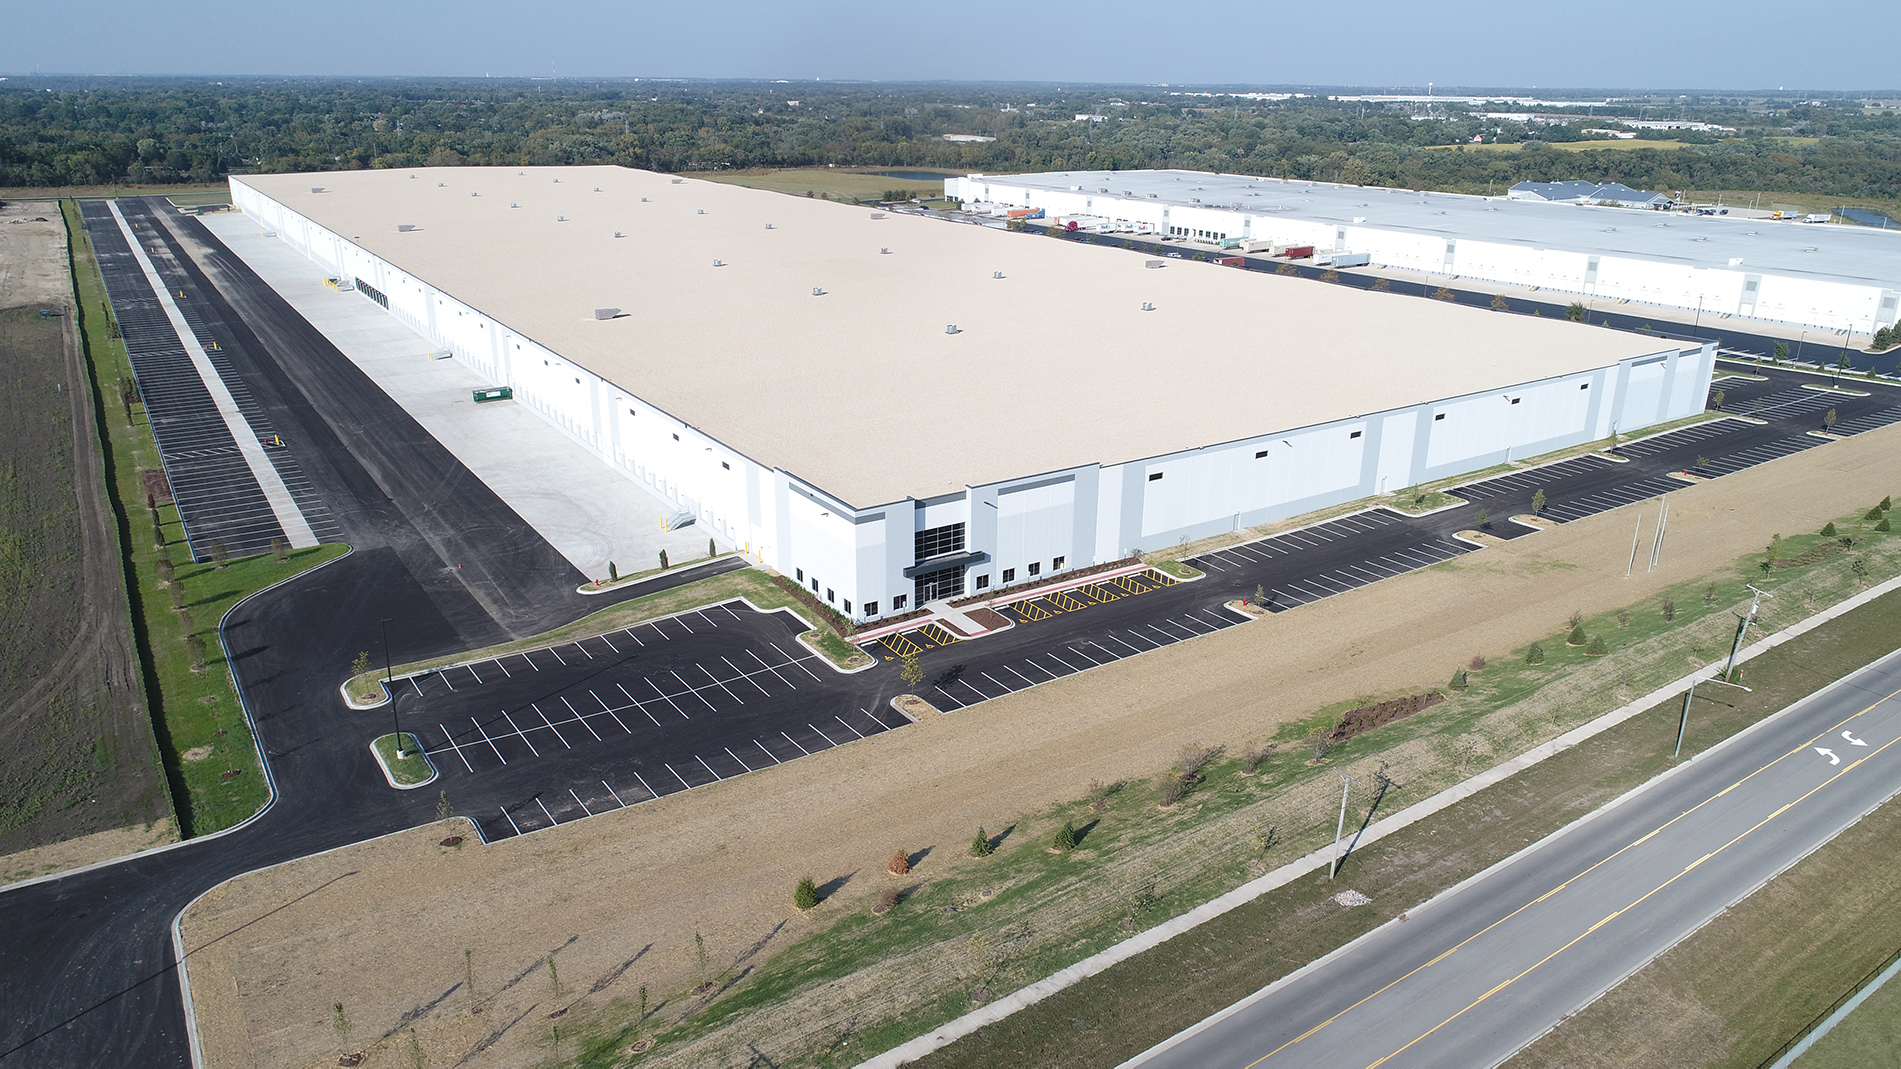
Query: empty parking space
1727, 463
1679, 439
1867, 421
1075, 599
1525, 483
1565, 510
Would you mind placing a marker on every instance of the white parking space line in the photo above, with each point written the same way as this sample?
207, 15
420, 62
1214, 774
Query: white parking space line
524, 735
746, 676
677, 776
1121, 643
412, 682
579, 802
973, 687
651, 793
504, 668
457, 749
583, 649
768, 753
791, 660
702, 615
638, 704
583, 720
735, 757
471, 668
1019, 675
662, 634
822, 735
669, 700
1153, 644
485, 738
706, 766
728, 610
558, 657
695, 692
615, 793
544, 811
993, 679
722, 686
610, 712
445, 681
511, 820
848, 727
636, 638
551, 727
771, 669
531, 662
610, 645
1171, 638
1073, 651
683, 626
795, 742
948, 698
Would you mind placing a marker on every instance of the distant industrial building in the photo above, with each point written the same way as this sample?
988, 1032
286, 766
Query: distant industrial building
1755, 272
1605, 194
892, 409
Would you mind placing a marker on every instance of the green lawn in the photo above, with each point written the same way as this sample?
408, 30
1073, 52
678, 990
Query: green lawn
412, 768
1869, 1036
205, 742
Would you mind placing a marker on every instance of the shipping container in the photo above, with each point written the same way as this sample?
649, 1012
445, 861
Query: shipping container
1351, 259
1232, 261
1299, 252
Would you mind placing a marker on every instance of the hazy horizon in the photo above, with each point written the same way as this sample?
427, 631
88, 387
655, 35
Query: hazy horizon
1757, 48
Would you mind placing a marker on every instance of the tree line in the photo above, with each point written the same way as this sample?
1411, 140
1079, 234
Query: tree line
102, 131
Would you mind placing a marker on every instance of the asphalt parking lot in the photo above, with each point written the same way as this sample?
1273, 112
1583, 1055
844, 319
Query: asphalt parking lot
217, 494
538, 738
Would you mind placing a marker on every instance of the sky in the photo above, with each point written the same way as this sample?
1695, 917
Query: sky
1743, 44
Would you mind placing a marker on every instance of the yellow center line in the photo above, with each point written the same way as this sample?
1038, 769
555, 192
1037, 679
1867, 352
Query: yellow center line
1462, 944
1646, 897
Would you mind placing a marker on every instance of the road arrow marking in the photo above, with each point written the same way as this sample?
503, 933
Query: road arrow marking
1830, 754
1852, 740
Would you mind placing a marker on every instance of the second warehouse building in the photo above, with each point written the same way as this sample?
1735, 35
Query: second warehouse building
894, 410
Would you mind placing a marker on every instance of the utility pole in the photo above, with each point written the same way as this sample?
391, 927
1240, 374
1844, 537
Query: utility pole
395, 727
1736, 646
1346, 783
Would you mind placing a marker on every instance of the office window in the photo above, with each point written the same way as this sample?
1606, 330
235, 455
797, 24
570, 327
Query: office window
1009, 575
871, 608
1515, 400
828, 596
848, 606
983, 582
800, 572
676, 437
725, 465
630, 411
1155, 476
1584, 385
1439, 417
940, 541
1262, 455
897, 602
1057, 564
815, 584
1035, 567
1356, 434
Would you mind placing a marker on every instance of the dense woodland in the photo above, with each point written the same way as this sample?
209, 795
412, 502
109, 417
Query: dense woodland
60, 132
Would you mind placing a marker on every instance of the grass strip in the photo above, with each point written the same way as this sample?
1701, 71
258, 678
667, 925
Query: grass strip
976, 930
211, 762
411, 768
1111, 1016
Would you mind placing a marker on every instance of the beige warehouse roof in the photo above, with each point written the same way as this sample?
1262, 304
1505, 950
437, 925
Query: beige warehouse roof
860, 391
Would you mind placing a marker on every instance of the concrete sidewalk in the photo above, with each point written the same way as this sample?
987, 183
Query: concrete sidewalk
587, 511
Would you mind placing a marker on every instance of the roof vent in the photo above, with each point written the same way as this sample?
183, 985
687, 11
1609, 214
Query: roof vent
512, 204
719, 263
606, 313
439, 185
951, 328
404, 228
412, 176
560, 218
768, 226
877, 215
557, 181
475, 194
1148, 306
882, 251
597, 189
1154, 264
677, 181
996, 274
818, 291
319, 189
618, 234
643, 200
702, 211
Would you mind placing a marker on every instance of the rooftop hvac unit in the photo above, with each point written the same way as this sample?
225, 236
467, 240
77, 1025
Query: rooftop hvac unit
1147, 306
439, 185
996, 274
951, 328
768, 226
719, 263
877, 215
404, 228
474, 194
701, 211
1154, 264
557, 181
319, 189
512, 204
560, 218
643, 200
618, 234
597, 189
606, 313
677, 181
818, 291
883, 251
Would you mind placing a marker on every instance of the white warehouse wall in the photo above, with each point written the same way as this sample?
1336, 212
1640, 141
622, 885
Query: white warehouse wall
855, 556
1779, 299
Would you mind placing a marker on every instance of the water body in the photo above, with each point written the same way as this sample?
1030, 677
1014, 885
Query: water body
1867, 218
920, 176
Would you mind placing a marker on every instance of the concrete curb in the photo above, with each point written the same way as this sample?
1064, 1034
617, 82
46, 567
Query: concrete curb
1280, 877
434, 773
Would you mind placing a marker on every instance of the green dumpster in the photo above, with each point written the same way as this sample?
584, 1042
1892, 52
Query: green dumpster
496, 393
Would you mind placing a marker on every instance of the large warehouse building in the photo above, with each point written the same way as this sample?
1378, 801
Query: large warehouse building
1757, 272
894, 409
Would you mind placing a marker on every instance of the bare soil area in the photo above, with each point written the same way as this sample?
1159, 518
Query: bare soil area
617, 901
77, 751
33, 254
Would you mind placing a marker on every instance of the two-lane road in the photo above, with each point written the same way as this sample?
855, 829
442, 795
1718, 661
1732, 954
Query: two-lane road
1476, 974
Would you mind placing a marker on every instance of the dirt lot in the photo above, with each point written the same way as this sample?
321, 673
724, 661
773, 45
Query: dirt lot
79, 753
33, 254
619, 898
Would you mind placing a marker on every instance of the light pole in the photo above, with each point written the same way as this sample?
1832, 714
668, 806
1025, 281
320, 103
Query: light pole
1346, 783
395, 727
1736, 646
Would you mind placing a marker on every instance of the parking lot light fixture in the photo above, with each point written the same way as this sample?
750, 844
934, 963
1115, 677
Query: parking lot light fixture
395, 727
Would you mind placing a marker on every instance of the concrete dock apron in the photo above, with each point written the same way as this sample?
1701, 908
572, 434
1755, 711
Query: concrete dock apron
289, 516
